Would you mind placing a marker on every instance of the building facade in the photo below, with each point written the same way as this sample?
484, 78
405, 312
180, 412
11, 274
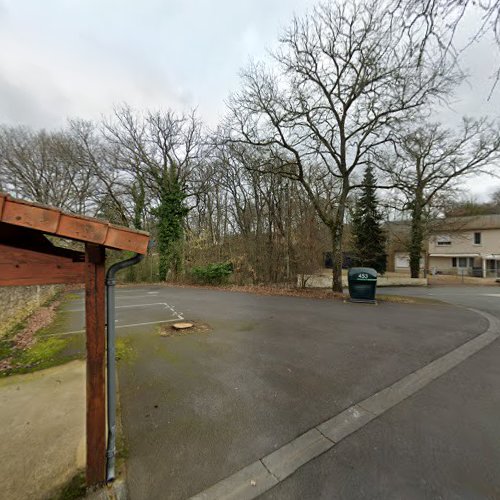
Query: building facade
466, 245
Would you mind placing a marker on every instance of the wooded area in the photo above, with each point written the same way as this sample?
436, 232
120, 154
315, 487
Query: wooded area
352, 85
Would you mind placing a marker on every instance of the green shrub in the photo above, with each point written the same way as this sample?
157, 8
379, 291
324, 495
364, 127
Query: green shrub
213, 274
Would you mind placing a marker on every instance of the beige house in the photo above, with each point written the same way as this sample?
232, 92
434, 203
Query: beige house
456, 245
466, 245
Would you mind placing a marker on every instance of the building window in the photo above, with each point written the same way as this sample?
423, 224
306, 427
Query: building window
491, 264
477, 238
443, 240
462, 261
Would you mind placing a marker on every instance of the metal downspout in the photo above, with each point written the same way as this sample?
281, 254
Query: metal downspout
111, 360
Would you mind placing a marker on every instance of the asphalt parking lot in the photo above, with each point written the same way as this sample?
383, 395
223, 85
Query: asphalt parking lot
198, 408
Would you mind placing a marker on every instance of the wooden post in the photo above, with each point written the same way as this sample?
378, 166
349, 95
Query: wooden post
96, 388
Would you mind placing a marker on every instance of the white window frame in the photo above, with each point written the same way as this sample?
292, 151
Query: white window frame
443, 240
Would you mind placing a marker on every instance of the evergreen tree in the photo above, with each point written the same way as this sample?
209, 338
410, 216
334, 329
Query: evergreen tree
171, 213
368, 236
139, 198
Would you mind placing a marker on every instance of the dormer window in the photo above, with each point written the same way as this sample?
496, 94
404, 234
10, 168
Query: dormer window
443, 240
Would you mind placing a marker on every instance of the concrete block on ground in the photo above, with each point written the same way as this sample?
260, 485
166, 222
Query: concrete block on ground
290, 457
345, 423
247, 483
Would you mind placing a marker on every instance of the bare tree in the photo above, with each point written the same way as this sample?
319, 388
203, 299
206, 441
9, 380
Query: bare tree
163, 152
42, 166
436, 22
153, 144
346, 74
112, 195
429, 161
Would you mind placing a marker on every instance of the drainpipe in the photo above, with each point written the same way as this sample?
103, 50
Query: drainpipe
111, 360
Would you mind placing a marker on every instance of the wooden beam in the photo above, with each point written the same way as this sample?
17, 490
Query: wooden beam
96, 389
21, 266
45, 219
126, 239
26, 214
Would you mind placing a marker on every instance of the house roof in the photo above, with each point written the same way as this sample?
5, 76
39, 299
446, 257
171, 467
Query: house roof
448, 224
51, 220
470, 222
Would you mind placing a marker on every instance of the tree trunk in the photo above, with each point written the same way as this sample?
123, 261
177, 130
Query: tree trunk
163, 264
336, 258
417, 237
337, 231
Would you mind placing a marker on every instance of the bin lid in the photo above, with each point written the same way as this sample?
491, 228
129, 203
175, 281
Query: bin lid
362, 273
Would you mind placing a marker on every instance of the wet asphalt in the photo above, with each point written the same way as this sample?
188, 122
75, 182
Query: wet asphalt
443, 442
198, 407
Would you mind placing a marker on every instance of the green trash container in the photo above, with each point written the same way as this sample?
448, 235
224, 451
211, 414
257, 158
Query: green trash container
362, 284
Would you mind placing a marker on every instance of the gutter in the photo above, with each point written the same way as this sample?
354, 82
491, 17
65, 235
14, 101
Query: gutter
111, 360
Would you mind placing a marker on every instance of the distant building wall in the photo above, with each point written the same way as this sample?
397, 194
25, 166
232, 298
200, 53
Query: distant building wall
462, 242
18, 302
471, 252
401, 262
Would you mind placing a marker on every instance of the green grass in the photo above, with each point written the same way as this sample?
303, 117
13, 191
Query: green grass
49, 349
407, 299
13, 332
73, 490
45, 353
42, 355
124, 350
5, 348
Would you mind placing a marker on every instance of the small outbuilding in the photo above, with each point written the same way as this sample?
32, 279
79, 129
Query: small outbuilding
28, 257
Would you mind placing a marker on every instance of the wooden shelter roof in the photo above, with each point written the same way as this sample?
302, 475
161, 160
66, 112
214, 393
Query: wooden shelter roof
50, 220
28, 257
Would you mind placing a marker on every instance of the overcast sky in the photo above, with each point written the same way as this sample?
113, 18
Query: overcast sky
77, 58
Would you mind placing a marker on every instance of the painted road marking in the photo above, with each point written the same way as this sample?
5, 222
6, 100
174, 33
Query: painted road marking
265, 473
121, 297
491, 294
117, 326
178, 317
125, 307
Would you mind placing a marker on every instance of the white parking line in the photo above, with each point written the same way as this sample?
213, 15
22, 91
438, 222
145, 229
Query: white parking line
178, 317
120, 297
126, 307
117, 326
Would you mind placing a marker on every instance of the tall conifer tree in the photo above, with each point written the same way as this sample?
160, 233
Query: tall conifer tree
368, 236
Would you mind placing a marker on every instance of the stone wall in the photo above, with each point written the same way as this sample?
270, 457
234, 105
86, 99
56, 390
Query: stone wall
18, 302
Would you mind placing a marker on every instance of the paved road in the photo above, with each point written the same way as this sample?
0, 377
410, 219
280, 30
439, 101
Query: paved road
484, 298
197, 408
443, 442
